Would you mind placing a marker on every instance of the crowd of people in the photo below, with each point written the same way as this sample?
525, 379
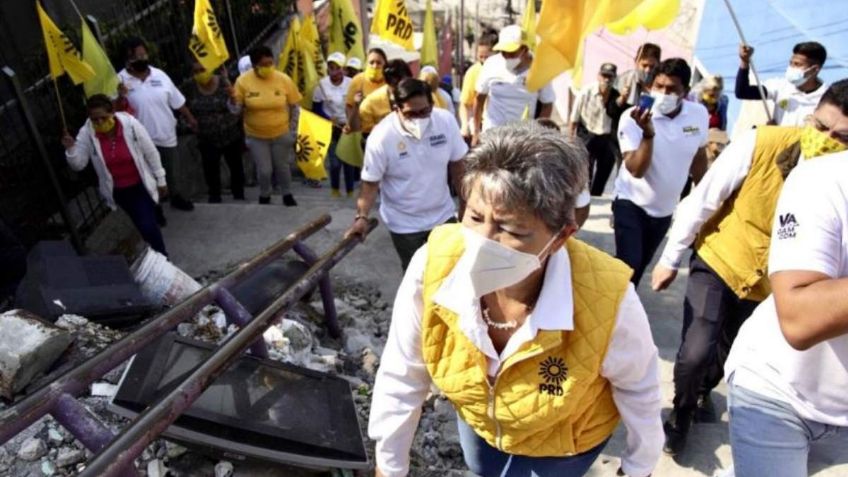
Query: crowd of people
539, 340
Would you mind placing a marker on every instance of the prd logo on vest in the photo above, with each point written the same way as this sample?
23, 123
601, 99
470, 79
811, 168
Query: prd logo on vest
553, 371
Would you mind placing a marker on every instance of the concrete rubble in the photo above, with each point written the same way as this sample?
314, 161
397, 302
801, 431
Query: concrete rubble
300, 338
28, 347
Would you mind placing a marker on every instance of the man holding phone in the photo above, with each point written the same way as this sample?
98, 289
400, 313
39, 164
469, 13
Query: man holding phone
663, 140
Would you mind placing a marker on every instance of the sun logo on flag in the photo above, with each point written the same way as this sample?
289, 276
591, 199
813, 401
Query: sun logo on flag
303, 148
553, 370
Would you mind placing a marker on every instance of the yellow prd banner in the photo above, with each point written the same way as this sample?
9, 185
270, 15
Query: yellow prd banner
345, 30
314, 134
62, 55
105, 81
429, 50
349, 149
288, 57
206, 42
311, 41
391, 22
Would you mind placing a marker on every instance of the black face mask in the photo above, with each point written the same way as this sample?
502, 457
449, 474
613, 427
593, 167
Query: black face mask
139, 65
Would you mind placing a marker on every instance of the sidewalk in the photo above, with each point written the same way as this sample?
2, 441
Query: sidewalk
216, 237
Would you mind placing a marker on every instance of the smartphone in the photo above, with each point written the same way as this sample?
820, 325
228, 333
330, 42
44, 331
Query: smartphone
646, 102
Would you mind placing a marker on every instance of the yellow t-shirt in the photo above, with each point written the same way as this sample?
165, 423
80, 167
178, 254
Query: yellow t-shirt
377, 106
266, 103
469, 85
361, 83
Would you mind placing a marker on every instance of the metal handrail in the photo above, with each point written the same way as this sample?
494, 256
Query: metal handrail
133, 439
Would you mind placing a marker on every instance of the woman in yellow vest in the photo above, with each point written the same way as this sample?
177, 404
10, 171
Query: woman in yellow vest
537, 339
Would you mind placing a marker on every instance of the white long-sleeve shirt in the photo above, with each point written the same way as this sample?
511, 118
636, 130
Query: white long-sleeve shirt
720, 182
403, 382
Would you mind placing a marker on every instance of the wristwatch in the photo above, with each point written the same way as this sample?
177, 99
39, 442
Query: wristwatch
360, 216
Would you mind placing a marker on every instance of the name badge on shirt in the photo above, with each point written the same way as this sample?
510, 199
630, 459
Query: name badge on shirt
402, 152
252, 94
691, 130
156, 83
438, 140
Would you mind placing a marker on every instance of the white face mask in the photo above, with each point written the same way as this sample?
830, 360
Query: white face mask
415, 126
796, 76
492, 266
512, 63
665, 103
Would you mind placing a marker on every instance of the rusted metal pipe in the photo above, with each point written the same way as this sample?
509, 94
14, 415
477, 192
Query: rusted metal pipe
325, 287
134, 438
20, 416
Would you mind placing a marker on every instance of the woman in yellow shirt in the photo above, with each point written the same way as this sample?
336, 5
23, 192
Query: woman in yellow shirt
366, 82
269, 100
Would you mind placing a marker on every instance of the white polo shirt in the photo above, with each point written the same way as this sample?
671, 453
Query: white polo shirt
508, 97
791, 105
413, 173
332, 98
810, 232
154, 101
675, 144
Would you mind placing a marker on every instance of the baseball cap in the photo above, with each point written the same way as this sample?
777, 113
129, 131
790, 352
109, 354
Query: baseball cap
337, 58
244, 64
355, 63
510, 39
429, 70
608, 69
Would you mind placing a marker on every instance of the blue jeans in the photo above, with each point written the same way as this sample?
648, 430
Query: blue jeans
768, 438
486, 461
137, 203
337, 167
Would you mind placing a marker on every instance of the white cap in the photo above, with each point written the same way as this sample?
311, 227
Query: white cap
244, 64
429, 69
510, 39
337, 58
355, 63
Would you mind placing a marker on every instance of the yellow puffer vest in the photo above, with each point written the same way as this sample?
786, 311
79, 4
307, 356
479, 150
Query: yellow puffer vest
548, 398
735, 241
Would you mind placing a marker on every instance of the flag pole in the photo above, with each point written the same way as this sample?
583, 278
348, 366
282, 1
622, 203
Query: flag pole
61, 108
750, 61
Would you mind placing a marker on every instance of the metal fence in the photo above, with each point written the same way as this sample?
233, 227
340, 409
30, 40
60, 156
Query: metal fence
28, 200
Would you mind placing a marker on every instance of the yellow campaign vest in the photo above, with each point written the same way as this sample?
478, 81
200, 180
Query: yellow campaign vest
735, 241
548, 398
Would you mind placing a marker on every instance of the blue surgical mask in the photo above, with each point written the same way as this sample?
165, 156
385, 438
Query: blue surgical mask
796, 76
665, 103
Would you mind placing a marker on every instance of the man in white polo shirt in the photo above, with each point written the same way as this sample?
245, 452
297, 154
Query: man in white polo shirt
796, 95
788, 370
153, 98
409, 158
502, 95
661, 148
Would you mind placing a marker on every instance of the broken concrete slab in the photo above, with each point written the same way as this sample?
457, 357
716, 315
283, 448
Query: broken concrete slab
32, 449
28, 347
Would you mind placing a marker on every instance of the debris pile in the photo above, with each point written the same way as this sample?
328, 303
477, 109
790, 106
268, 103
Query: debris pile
46, 449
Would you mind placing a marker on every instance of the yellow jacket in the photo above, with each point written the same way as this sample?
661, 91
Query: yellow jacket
548, 399
735, 241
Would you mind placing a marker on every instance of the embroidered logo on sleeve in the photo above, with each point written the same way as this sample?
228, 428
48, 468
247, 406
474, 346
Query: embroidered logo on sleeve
788, 226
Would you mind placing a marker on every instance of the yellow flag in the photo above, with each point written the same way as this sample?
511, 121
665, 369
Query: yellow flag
345, 30
429, 51
314, 134
105, 81
307, 77
62, 55
528, 24
207, 42
391, 22
562, 30
349, 149
289, 56
311, 41
650, 14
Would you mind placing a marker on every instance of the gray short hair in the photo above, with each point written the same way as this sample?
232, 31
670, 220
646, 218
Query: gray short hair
525, 166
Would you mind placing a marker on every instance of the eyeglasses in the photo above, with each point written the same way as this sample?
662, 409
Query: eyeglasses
420, 114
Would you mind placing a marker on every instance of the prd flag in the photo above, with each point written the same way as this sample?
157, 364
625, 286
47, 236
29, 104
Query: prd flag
62, 55
288, 57
314, 134
528, 24
345, 30
391, 22
562, 30
311, 40
650, 14
429, 50
349, 149
105, 80
206, 42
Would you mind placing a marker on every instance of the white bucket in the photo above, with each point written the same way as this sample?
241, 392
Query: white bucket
160, 280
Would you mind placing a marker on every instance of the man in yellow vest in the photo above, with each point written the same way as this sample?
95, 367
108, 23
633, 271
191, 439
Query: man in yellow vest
538, 339
728, 216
